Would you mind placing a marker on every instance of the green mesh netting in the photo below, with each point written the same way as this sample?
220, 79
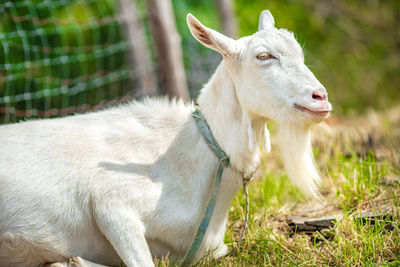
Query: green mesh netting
60, 56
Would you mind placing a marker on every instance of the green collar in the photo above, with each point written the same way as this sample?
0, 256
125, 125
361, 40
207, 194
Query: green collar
223, 161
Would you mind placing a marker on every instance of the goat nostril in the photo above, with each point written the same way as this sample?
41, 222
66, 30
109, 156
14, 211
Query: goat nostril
318, 96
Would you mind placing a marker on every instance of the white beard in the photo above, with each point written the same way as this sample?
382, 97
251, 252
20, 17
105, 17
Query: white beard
296, 149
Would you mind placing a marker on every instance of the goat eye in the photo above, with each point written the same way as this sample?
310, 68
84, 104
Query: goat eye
265, 55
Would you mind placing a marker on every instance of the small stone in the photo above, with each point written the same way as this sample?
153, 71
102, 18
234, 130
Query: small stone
322, 222
373, 216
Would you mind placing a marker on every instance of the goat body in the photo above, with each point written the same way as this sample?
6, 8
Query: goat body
141, 169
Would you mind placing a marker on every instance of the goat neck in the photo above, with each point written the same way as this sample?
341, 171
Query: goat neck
237, 132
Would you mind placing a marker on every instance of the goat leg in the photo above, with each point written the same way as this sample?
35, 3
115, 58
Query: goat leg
75, 262
125, 232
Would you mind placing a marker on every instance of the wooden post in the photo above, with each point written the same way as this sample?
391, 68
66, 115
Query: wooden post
139, 57
227, 16
168, 48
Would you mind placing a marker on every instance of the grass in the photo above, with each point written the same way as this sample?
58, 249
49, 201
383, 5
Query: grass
359, 163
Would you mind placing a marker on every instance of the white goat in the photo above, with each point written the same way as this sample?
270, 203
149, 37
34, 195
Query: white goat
132, 182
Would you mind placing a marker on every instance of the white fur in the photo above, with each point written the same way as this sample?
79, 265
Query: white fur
132, 182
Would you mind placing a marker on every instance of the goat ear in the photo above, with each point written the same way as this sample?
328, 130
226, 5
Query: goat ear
212, 39
266, 20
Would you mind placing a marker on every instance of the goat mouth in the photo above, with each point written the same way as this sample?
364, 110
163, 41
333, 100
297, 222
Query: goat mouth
319, 113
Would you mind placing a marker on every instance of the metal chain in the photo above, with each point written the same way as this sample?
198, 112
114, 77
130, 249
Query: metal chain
246, 181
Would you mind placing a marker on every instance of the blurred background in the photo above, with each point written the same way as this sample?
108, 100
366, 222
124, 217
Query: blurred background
59, 57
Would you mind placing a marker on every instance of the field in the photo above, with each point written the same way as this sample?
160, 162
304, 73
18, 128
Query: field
358, 159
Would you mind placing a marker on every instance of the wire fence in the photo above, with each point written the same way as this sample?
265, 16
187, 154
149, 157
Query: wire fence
60, 57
